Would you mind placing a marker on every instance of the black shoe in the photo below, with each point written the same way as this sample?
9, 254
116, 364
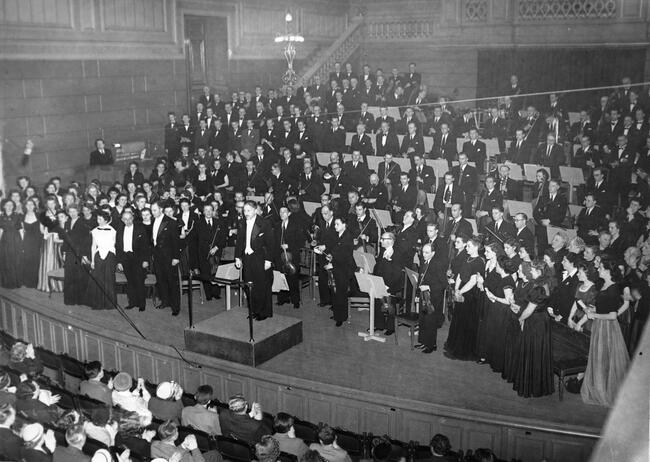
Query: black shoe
176, 313
141, 308
339, 323
296, 306
332, 317
427, 350
419, 346
324, 304
377, 329
389, 332
280, 303
129, 307
159, 307
434, 347
481, 361
449, 355
261, 318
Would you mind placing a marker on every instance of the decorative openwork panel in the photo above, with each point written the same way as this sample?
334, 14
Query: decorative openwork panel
537, 10
475, 10
399, 30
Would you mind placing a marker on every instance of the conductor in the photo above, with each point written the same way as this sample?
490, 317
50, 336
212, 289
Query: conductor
254, 252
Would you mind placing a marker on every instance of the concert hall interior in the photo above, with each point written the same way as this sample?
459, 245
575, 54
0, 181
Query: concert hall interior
324, 230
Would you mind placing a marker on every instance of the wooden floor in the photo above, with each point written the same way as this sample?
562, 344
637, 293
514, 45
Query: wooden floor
339, 356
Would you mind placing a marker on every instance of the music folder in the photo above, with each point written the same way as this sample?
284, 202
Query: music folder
364, 260
279, 282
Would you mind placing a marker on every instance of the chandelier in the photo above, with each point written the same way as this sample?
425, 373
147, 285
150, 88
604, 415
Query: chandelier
289, 51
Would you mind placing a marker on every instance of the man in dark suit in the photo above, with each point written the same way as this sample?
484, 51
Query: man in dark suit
422, 176
318, 126
363, 228
206, 248
432, 277
166, 254
326, 236
406, 239
413, 143
519, 150
384, 117
263, 162
254, 254
389, 172
376, 194
444, 144
446, 195
310, 185
172, 137
509, 188
523, 235
101, 155
412, 80
362, 143
404, 197
621, 162
562, 296
202, 136
551, 155
499, 230
489, 198
220, 139
581, 128
604, 195
495, 127
186, 131
549, 210
591, 220
386, 140
437, 120
290, 238
357, 171
587, 155
608, 132
467, 181
475, 150
336, 75
366, 118
334, 139
317, 90
457, 225
133, 250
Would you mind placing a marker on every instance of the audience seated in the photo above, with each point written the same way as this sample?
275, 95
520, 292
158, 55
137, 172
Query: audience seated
134, 401
75, 437
202, 416
167, 404
166, 447
327, 446
93, 387
241, 422
285, 435
267, 450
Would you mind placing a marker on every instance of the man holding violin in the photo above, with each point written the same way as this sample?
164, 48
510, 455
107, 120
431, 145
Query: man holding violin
289, 239
432, 283
364, 229
205, 248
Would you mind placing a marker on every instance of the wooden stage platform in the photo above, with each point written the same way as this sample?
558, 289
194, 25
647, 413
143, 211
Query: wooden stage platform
338, 356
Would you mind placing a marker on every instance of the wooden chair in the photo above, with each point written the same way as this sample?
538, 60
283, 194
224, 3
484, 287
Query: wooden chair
185, 286
409, 316
307, 270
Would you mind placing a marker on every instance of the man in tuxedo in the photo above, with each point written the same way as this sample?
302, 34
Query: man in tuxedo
467, 181
621, 161
499, 230
186, 131
402, 125
326, 236
581, 128
519, 150
608, 132
599, 186
199, 114
336, 75
531, 124
475, 150
166, 254
334, 139
489, 198
362, 143
317, 90
509, 188
384, 117
376, 194
133, 250
363, 228
287, 135
495, 127
389, 172
254, 254
587, 155
437, 120
172, 137
263, 162
432, 277
591, 220
208, 241
220, 139
523, 235
549, 210
404, 197
310, 185
290, 238
202, 136
446, 195
339, 183
101, 155
368, 93
444, 145
396, 97
422, 176
386, 140
317, 125
357, 171
413, 143
550, 155
406, 239
366, 118
562, 296
412, 81
457, 225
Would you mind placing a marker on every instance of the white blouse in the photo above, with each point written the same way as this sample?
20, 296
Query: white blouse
104, 239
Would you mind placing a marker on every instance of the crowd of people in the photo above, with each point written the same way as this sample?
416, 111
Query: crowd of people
238, 171
117, 418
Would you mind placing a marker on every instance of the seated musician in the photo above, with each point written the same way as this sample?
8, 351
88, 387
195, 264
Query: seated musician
376, 195
363, 229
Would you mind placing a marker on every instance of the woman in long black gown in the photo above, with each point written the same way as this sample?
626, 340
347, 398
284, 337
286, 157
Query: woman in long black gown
461, 341
10, 245
534, 375
101, 287
31, 246
76, 245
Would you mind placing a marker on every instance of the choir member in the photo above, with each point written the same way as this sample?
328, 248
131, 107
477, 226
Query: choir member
133, 247
10, 245
77, 247
32, 240
100, 294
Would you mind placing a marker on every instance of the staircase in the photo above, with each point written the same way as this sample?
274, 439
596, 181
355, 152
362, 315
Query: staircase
322, 63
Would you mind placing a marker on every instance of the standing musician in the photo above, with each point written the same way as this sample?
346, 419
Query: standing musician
166, 255
290, 238
388, 267
431, 278
310, 185
490, 197
406, 240
364, 229
457, 225
133, 250
467, 181
340, 265
422, 176
437, 242
446, 195
499, 230
386, 140
376, 194
404, 197
325, 237
389, 172
254, 253
206, 247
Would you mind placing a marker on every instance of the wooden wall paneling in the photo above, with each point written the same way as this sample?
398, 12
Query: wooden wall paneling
37, 13
268, 394
569, 449
319, 408
126, 358
59, 338
109, 356
378, 420
145, 365
74, 346
480, 435
525, 445
166, 369
234, 385
47, 336
293, 402
148, 15
346, 414
632, 9
93, 349
416, 426
218, 383
31, 331
192, 378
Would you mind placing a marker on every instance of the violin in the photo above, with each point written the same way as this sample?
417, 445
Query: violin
425, 302
286, 263
331, 282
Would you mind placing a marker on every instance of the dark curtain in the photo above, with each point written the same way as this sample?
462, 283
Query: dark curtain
558, 69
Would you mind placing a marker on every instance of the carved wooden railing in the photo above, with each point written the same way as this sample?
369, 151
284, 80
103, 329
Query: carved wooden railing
342, 48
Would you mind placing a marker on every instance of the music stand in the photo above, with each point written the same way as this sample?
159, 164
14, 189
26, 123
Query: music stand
574, 176
373, 162
323, 158
530, 172
428, 143
279, 282
575, 209
439, 166
374, 110
515, 207
348, 138
375, 287
404, 164
430, 199
553, 230
364, 260
384, 217
310, 207
228, 275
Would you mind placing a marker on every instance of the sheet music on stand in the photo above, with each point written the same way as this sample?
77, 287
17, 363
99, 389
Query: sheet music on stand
530, 171
375, 287
364, 260
384, 217
227, 274
279, 282
310, 207
256, 199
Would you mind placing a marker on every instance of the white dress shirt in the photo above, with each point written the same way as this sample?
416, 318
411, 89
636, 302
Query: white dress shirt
128, 238
249, 234
156, 227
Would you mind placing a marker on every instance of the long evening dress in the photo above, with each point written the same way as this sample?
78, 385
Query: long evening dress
76, 246
30, 254
50, 256
100, 294
10, 245
535, 366
461, 341
608, 357
513, 332
492, 330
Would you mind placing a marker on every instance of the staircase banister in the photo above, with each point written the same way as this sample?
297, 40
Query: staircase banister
354, 25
